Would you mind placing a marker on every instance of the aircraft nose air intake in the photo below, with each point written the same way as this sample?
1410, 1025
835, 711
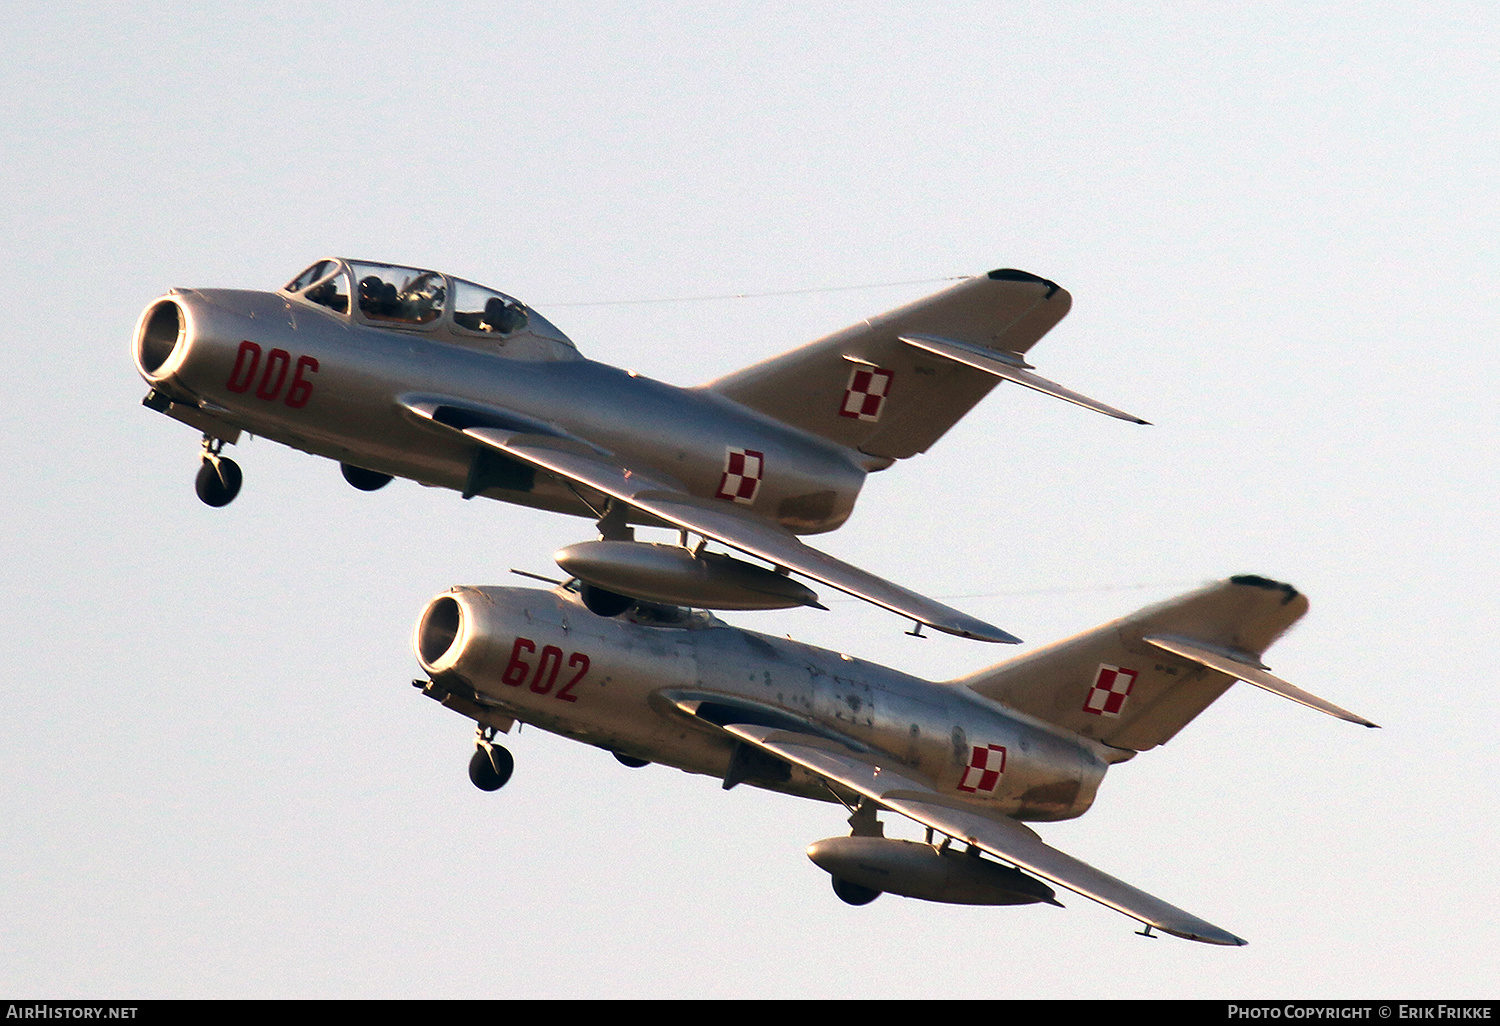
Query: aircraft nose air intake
437, 640
159, 336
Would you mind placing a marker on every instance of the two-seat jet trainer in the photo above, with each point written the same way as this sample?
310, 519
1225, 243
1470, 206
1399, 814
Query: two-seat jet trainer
402, 372
396, 371
969, 759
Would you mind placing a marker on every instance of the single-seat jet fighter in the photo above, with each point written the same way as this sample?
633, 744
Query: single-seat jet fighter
403, 372
969, 759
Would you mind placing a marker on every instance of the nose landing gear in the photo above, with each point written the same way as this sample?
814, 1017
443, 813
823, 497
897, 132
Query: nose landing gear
492, 764
219, 477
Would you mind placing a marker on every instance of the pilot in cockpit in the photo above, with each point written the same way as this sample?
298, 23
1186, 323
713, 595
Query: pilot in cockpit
378, 298
327, 294
502, 317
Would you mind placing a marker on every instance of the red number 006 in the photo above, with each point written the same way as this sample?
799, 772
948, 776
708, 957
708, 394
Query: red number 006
247, 363
543, 676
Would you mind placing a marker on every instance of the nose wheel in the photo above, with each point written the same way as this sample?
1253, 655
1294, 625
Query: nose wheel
491, 765
219, 477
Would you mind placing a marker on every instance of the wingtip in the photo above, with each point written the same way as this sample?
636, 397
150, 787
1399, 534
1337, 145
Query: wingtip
995, 636
1346, 716
961, 626
1223, 938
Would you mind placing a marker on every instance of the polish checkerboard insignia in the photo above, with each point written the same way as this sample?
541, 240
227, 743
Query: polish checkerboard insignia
743, 469
868, 389
1111, 685
982, 775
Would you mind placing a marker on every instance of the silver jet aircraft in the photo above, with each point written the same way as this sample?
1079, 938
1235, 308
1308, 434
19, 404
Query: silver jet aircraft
969, 759
403, 372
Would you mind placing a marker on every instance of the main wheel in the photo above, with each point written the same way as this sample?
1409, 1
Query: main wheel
630, 760
218, 481
854, 894
364, 480
604, 603
490, 768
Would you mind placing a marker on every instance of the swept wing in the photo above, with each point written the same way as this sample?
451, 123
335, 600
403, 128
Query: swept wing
739, 529
901, 791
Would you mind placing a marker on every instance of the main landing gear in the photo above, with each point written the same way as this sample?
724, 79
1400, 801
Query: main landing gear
219, 477
864, 822
613, 525
492, 764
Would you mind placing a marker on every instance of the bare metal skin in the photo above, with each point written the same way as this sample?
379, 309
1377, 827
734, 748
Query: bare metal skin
402, 372
1030, 739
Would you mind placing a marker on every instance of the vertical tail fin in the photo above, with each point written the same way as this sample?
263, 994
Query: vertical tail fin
1135, 682
891, 385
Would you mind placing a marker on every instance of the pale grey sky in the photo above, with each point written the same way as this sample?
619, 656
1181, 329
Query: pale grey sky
1278, 224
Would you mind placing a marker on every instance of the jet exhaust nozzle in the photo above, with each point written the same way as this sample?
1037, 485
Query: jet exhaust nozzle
916, 870
674, 575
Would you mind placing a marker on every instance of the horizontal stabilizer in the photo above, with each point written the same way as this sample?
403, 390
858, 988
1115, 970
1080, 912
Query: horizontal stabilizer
1011, 367
1251, 673
901, 790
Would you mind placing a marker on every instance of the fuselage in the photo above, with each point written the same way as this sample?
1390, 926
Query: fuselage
339, 384
651, 686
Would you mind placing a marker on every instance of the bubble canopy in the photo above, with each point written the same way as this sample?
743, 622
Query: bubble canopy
412, 298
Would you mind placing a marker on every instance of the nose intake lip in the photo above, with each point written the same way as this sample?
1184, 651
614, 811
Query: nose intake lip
159, 336
438, 630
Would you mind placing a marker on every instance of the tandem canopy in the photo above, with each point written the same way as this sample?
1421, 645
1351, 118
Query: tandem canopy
414, 299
